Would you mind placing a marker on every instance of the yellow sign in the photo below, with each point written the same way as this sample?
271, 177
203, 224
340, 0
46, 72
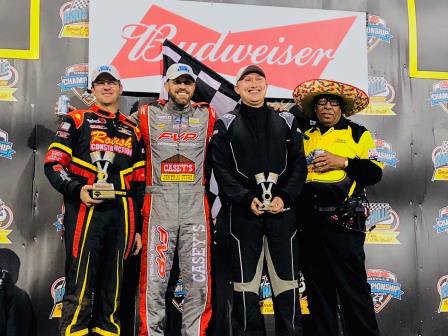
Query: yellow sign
440, 174
33, 51
6, 94
4, 236
382, 237
75, 30
267, 306
177, 178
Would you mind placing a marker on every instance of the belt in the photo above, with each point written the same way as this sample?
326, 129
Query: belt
333, 209
325, 209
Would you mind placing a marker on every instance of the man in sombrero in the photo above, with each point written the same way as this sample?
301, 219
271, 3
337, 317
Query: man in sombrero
341, 163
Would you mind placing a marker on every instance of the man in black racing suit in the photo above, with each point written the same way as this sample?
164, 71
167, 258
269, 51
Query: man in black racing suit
250, 140
99, 234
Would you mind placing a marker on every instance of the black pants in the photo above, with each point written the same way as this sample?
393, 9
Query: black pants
333, 263
275, 238
97, 241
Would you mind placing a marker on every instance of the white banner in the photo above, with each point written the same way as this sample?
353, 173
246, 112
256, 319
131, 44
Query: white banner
290, 44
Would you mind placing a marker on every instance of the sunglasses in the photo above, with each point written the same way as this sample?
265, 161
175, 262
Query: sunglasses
333, 101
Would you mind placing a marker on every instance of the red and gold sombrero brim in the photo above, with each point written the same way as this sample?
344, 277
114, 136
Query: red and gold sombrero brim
355, 99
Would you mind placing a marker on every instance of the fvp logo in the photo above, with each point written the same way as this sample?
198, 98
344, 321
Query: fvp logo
161, 248
442, 288
377, 31
75, 19
8, 79
440, 161
441, 225
385, 154
382, 96
439, 95
6, 219
6, 150
384, 287
57, 293
75, 79
384, 223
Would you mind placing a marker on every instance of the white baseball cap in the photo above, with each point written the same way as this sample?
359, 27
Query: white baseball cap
109, 69
178, 69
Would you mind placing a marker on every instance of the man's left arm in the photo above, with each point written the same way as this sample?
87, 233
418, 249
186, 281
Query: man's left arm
138, 186
296, 167
365, 169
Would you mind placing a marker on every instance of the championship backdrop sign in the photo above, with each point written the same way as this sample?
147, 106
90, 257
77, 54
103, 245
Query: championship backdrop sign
291, 44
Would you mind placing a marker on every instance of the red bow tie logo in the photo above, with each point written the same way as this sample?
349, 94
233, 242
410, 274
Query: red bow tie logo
288, 54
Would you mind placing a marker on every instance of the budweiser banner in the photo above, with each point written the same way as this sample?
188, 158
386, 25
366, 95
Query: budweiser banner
291, 44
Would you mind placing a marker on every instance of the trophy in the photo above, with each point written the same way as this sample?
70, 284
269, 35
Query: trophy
102, 189
266, 196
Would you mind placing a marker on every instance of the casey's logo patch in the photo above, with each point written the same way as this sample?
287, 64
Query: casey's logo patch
177, 168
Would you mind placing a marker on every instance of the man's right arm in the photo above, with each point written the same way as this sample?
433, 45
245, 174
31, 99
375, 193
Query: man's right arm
224, 170
58, 158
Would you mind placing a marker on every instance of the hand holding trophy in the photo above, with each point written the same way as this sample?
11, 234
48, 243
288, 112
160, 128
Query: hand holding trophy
102, 189
266, 196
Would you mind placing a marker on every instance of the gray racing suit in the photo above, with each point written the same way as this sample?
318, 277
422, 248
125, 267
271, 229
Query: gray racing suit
175, 212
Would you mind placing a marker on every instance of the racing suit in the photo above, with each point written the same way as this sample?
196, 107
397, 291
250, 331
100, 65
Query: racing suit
97, 239
333, 259
176, 213
246, 142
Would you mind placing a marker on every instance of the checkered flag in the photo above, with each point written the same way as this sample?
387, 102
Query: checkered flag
77, 4
210, 87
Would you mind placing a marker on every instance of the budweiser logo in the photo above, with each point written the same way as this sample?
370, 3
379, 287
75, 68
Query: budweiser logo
288, 54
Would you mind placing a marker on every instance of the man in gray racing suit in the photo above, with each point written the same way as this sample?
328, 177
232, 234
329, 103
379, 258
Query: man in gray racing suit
176, 213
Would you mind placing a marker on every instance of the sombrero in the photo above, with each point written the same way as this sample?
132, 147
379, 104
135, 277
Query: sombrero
355, 100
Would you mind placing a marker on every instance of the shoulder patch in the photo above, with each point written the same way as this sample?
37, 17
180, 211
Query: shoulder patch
78, 117
357, 130
288, 117
227, 119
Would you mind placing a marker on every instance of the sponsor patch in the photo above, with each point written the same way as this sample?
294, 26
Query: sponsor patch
57, 293
8, 80
384, 153
384, 223
6, 219
6, 150
440, 161
100, 141
65, 126
75, 19
382, 96
377, 31
63, 134
100, 127
161, 248
177, 168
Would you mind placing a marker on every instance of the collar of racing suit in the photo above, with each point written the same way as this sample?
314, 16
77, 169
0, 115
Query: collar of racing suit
172, 108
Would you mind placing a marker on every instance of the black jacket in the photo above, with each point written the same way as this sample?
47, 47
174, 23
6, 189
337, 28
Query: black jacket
240, 148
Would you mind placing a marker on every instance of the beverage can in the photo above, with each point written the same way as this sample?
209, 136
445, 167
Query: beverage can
63, 103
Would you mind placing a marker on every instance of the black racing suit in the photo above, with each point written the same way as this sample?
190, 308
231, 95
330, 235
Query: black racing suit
99, 238
332, 248
7, 305
246, 142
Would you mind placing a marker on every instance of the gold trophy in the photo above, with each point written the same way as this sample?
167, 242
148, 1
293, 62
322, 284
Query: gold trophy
260, 178
102, 190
